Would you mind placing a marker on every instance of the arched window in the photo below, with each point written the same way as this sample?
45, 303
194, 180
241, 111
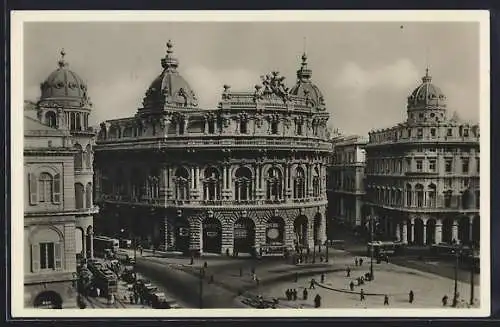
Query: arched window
78, 160
409, 195
299, 184
274, 127
211, 126
419, 189
316, 183
50, 119
211, 184
79, 196
45, 188
243, 184
182, 184
432, 195
243, 126
153, 188
78, 122
88, 196
274, 180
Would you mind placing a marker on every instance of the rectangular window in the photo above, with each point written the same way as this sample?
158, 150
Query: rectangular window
47, 260
419, 165
420, 133
433, 132
450, 132
465, 166
432, 165
466, 133
448, 165
447, 200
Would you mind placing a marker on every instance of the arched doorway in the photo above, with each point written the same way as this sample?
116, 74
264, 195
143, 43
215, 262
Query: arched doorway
212, 235
476, 230
79, 241
300, 231
447, 230
244, 235
430, 231
418, 225
409, 231
464, 229
275, 231
48, 300
181, 234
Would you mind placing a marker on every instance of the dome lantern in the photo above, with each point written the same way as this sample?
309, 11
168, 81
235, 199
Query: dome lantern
426, 102
305, 88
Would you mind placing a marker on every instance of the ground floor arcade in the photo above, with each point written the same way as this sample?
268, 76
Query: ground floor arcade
429, 228
211, 230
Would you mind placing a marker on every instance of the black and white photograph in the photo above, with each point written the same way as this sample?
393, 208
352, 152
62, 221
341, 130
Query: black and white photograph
257, 163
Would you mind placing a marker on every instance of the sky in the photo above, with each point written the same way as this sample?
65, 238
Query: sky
365, 70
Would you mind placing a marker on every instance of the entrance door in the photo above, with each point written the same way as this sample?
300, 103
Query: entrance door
212, 236
48, 300
244, 235
182, 237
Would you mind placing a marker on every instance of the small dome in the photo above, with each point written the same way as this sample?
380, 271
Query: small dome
427, 95
64, 86
305, 88
170, 88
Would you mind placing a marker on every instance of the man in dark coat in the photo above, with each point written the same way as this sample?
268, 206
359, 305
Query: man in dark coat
386, 300
317, 301
411, 296
304, 294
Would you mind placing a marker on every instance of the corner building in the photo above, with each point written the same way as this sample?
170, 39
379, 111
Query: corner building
423, 174
58, 205
251, 173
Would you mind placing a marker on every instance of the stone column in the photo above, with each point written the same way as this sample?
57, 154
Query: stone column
91, 237
224, 178
404, 236
454, 231
398, 232
206, 126
424, 237
438, 233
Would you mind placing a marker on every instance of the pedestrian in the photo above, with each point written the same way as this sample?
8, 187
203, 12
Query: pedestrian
362, 295
311, 284
386, 300
205, 264
317, 301
227, 252
445, 300
348, 271
304, 294
411, 296
295, 294
322, 278
360, 262
351, 285
191, 262
288, 294
356, 262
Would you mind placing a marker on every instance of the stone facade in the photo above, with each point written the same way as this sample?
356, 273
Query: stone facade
346, 180
248, 174
58, 214
423, 174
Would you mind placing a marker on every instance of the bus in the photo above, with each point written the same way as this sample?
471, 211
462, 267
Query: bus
384, 248
104, 245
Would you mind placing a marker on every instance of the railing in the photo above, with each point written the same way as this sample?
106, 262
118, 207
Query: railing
451, 139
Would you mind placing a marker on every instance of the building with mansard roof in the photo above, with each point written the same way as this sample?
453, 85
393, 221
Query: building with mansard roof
249, 175
58, 209
422, 175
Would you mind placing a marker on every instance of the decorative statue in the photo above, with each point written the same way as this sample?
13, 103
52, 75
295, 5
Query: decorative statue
226, 95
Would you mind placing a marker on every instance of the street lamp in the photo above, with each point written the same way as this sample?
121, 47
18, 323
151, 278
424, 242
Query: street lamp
472, 268
202, 273
458, 252
371, 220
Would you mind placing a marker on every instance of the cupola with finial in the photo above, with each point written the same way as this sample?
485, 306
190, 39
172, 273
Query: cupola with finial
427, 103
305, 88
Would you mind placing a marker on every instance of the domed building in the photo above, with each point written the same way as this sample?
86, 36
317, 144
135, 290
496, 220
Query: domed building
59, 209
249, 175
423, 175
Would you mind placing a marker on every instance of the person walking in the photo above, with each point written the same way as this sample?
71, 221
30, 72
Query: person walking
351, 285
294, 294
348, 271
445, 300
386, 299
361, 295
205, 264
317, 301
360, 262
304, 294
311, 284
288, 295
411, 296
356, 262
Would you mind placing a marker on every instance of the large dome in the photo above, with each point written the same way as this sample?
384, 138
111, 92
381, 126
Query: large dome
170, 88
305, 88
427, 95
64, 87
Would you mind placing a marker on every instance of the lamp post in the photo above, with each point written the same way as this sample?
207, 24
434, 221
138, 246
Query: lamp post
202, 273
472, 268
371, 220
327, 246
458, 252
